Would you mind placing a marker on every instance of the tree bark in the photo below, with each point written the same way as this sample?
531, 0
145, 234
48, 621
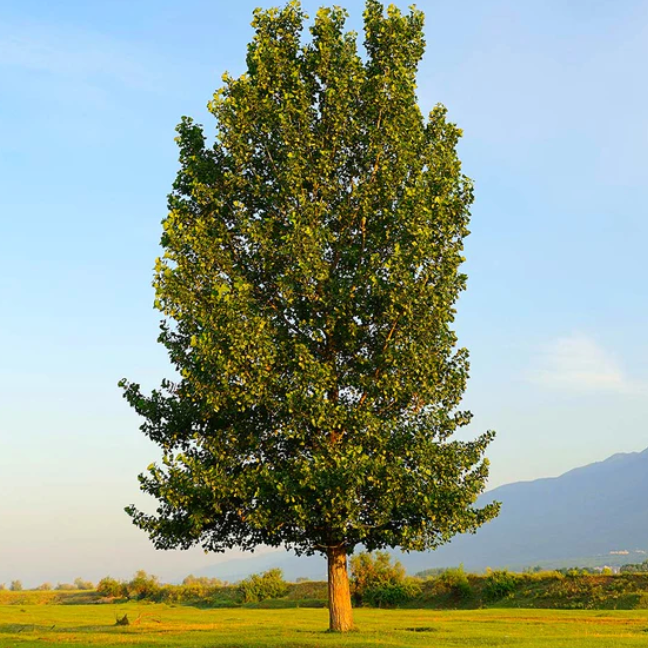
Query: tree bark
339, 594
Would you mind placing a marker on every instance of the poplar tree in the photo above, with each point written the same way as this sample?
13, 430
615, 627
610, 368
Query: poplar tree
308, 283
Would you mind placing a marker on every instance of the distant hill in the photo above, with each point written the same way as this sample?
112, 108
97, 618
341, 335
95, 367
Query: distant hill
588, 511
577, 518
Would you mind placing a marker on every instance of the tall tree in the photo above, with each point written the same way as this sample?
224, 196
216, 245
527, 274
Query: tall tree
308, 282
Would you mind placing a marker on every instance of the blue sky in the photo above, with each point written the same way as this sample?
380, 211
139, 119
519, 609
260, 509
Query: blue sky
553, 102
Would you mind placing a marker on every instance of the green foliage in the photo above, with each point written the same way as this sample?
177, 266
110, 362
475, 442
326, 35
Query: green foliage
371, 569
542, 576
44, 587
499, 584
111, 587
308, 593
65, 587
540, 589
142, 585
197, 590
16, 586
455, 581
392, 594
82, 584
379, 581
259, 587
308, 283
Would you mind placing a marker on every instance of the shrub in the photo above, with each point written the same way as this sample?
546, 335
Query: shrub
16, 586
81, 584
378, 581
65, 587
370, 570
142, 585
541, 576
455, 581
110, 587
308, 592
392, 594
43, 587
193, 592
258, 587
226, 596
198, 586
499, 584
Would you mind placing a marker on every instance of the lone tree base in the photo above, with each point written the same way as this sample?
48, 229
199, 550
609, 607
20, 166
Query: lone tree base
339, 592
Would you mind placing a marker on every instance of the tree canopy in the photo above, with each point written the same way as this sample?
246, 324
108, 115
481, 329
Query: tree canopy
308, 283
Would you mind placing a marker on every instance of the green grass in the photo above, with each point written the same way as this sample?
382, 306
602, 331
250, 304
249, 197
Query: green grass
162, 625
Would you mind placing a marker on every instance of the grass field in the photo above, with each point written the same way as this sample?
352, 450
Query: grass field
158, 625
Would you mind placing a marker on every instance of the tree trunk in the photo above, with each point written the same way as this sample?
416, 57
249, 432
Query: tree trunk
339, 594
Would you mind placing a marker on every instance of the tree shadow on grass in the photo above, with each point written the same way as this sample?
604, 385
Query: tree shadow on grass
17, 628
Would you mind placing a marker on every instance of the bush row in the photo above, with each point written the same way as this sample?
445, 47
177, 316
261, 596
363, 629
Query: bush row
197, 590
377, 581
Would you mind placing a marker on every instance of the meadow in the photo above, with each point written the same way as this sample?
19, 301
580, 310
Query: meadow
158, 625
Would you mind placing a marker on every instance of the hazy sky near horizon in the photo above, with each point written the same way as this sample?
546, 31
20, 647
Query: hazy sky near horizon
552, 98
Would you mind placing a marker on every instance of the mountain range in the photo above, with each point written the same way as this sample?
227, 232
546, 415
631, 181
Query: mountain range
595, 514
